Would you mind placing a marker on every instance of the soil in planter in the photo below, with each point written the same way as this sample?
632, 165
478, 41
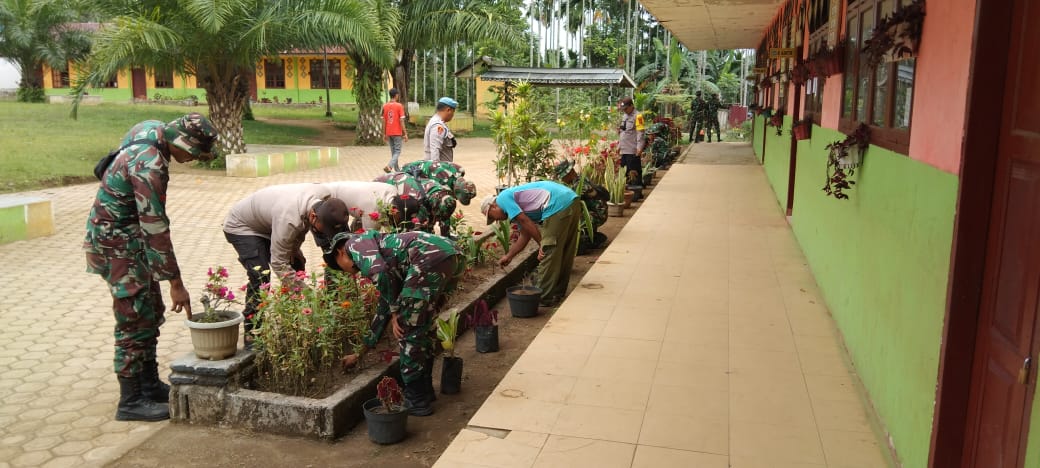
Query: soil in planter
427, 437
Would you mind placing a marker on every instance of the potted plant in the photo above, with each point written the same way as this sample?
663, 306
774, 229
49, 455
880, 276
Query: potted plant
802, 129
614, 180
214, 332
842, 163
896, 35
451, 372
386, 414
648, 174
485, 327
525, 146
524, 299
777, 121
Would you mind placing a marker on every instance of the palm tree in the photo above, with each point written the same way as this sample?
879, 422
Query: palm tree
368, 78
37, 32
221, 43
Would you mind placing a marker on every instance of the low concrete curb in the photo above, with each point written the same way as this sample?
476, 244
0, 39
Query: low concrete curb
213, 393
288, 160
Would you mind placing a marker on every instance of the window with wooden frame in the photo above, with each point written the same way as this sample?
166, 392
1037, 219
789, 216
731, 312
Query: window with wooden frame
163, 78
818, 19
59, 78
274, 73
318, 74
881, 97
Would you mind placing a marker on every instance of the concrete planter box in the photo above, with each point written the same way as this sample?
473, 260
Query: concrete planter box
88, 100
459, 124
264, 164
23, 217
217, 393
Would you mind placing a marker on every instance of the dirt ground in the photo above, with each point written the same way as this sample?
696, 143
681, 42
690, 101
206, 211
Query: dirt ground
186, 445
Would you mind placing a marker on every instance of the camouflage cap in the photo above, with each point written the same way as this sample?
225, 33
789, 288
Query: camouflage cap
465, 191
659, 129
192, 133
329, 255
563, 168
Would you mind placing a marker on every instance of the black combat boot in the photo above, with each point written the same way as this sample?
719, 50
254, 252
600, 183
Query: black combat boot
153, 388
428, 380
135, 406
416, 398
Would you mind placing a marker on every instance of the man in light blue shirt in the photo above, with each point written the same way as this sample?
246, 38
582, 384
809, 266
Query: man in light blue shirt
548, 213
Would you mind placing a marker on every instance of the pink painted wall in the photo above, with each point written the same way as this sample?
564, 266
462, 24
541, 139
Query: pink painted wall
941, 84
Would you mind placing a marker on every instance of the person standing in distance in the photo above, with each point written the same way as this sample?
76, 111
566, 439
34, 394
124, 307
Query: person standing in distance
438, 141
393, 129
128, 244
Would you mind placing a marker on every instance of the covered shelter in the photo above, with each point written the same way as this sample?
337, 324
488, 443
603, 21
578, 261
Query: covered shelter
484, 72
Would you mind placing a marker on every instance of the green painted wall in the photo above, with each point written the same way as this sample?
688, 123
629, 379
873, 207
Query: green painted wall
756, 136
778, 160
338, 96
1033, 444
881, 260
107, 94
12, 223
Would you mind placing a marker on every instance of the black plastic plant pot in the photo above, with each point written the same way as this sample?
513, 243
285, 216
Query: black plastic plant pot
385, 428
487, 338
451, 375
523, 300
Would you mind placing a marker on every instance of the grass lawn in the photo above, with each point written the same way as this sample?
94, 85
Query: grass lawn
42, 146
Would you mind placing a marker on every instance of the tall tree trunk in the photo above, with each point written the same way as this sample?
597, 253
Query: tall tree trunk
226, 103
30, 87
367, 87
402, 72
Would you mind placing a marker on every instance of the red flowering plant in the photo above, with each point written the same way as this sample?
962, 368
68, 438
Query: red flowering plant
217, 298
308, 323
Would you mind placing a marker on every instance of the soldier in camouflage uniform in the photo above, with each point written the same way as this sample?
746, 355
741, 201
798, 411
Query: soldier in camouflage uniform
413, 272
440, 205
712, 117
660, 148
420, 209
128, 244
698, 111
595, 198
447, 174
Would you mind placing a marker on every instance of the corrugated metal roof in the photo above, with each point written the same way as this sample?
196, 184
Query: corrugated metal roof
562, 77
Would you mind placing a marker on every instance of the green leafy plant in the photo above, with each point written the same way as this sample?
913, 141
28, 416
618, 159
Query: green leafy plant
525, 147
447, 331
308, 325
217, 298
614, 179
466, 241
503, 234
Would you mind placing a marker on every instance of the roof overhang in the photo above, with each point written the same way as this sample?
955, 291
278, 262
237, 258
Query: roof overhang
560, 77
715, 24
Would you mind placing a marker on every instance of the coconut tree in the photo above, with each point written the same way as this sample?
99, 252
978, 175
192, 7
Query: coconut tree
369, 73
37, 32
222, 42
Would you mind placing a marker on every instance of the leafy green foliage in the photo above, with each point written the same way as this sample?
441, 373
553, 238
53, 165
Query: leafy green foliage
33, 33
447, 331
525, 147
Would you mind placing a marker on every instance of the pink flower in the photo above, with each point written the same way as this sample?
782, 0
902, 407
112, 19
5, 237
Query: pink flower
415, 220
306, 311
246, 286
230, 296
223, 291
374, 216
265, 286
301, 275
223, 272
209, 272
321, 329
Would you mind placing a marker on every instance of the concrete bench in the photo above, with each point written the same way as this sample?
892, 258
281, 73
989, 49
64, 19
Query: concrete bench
265, 163
459, 124
25, 217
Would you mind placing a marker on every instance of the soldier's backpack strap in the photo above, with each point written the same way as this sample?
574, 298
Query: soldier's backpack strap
102, 165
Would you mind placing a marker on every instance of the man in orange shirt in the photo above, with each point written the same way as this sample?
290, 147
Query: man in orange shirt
393, 129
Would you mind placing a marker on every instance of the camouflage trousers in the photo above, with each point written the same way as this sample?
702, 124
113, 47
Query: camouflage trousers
422, 297
138, 308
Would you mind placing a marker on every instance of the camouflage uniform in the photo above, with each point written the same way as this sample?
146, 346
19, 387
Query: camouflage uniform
714, 103
447, 173
413, 272
660, 147
698, 111
440, 205
408, 186
128, 243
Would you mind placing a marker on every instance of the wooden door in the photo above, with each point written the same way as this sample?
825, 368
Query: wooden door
1004, 373
139, 83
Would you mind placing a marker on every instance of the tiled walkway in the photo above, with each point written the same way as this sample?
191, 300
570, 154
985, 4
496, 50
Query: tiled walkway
58, 393
699, 339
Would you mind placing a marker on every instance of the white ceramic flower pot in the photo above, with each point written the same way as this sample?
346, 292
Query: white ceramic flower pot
217, 340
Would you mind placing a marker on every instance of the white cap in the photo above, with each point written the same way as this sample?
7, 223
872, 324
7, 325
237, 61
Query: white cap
486, 205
